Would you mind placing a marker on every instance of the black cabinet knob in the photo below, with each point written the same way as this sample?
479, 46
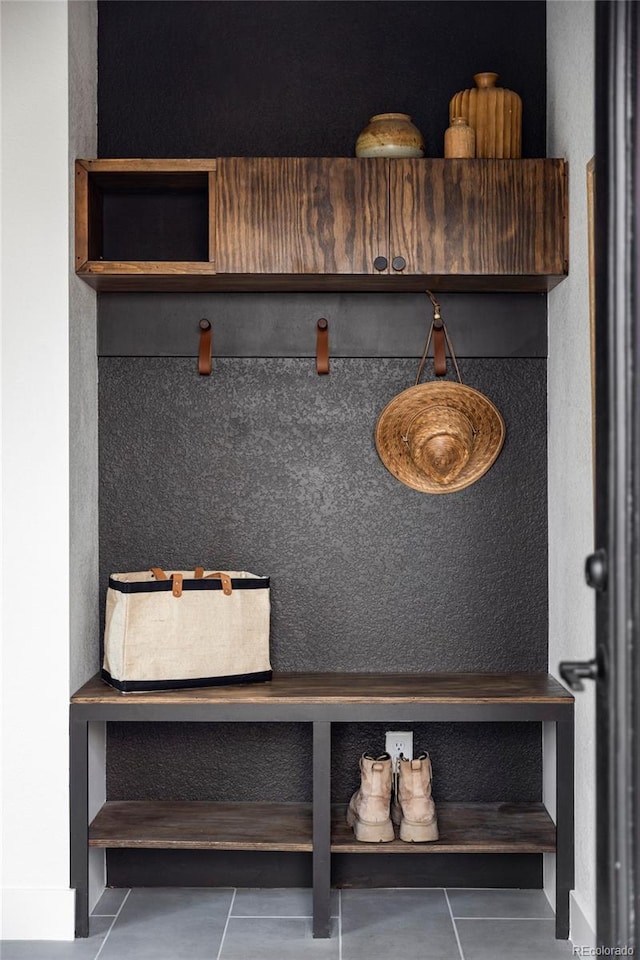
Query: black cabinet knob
398, 263
380, 263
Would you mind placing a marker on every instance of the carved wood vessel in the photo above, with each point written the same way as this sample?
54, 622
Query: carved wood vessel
495, 114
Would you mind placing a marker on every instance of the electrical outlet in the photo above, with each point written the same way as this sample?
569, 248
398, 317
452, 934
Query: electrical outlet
399, 742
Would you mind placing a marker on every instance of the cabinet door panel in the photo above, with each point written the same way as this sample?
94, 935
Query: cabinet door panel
475, 217
295, 215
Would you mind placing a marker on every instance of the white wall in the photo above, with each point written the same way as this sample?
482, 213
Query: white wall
40, 467
83, 370
84, 617
570, 134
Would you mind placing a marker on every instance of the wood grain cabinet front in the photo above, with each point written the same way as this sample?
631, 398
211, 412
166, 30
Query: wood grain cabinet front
301, 216
451, 224
305, 223
480, 222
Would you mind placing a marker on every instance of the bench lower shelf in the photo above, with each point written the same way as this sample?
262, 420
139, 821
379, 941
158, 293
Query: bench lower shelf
203, 825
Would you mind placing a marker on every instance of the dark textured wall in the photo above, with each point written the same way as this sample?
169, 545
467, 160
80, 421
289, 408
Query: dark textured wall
302, 78
266, 466
490, 762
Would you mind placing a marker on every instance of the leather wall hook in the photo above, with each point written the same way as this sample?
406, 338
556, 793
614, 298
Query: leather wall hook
204, 348
322, 346
439, 349
438, 331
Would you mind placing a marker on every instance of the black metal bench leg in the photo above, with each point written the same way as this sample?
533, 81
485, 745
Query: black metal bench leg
79, 816
564, 824
321, 829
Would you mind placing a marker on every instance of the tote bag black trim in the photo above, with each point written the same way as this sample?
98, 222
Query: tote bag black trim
147, 686
160, 586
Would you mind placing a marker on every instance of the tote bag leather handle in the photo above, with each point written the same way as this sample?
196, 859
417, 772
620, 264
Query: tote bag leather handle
224, 578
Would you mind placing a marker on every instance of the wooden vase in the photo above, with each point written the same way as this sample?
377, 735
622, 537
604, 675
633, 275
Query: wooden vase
459, 139
495, 114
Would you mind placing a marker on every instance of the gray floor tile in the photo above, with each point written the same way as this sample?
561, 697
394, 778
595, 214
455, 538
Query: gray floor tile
85, 949
511, 940
278, 902
110, 902
169, 923
506, 904
276, 939
415, 924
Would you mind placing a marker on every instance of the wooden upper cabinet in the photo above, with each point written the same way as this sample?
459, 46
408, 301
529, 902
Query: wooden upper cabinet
301, 216
454, 224
306, 223
490, 219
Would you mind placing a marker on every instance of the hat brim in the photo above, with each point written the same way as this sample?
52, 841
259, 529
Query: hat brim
393, 422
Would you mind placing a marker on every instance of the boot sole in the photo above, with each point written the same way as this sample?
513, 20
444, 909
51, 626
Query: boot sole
370, 832
418, 832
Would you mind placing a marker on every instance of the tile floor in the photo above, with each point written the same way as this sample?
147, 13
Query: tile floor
189, 923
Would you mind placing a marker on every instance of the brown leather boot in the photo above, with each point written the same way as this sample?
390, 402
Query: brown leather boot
413, 807
368, 811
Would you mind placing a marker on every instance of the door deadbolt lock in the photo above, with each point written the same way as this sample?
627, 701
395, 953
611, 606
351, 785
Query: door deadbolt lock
595, 570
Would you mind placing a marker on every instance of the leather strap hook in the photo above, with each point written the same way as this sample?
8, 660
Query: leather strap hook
441, 340
439, 348
204, 348
322, 346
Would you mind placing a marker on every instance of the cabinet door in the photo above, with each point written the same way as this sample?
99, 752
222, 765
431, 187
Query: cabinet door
492, 218
301, 215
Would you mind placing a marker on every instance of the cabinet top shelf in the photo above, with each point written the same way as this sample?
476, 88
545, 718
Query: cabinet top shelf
172, 164
352, 688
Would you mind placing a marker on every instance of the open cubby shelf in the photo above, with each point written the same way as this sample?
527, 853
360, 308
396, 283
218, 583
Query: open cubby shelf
206, 825
203, 825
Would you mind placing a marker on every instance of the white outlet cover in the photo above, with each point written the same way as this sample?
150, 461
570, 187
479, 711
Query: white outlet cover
399, 742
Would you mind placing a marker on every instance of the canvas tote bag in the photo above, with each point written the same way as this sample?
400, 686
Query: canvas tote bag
197, 628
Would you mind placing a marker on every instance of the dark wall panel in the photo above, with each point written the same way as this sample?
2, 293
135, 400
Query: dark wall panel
284, 324
211, 868
216, 78
489, 762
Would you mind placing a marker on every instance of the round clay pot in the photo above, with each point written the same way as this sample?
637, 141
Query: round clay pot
390, 135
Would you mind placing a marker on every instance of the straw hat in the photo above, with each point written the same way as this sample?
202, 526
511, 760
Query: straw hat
439, 437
